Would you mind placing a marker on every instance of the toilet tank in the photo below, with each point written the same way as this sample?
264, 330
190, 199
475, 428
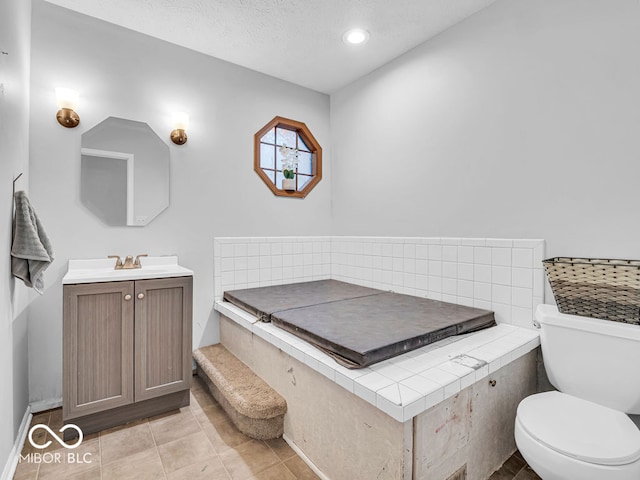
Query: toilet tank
597, 360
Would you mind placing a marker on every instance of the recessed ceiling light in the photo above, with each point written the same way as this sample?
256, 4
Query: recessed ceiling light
355, 36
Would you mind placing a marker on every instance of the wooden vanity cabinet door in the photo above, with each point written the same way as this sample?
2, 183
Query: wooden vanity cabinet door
163, 316
97, 347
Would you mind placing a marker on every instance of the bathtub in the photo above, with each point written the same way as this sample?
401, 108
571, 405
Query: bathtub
428, 413
441, 411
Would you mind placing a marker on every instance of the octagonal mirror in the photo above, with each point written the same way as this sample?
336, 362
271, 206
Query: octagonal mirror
124, 172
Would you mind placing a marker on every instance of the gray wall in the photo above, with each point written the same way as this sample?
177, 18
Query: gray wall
521, 122
15, 32
214, 190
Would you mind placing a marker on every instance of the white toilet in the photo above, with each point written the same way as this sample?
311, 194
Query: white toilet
582, 432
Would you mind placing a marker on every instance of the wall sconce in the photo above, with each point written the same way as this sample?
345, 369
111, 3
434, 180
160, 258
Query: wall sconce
67, 100
180, 125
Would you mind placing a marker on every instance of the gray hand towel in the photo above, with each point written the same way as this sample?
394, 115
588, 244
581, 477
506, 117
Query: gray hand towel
31, 251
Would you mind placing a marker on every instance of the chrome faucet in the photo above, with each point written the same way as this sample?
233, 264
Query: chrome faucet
129, 263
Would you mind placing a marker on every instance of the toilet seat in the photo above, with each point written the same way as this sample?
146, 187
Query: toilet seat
580, 429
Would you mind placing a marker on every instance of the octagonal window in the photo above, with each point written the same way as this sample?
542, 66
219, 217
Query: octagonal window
287, 157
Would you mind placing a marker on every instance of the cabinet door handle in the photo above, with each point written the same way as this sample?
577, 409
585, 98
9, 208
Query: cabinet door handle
127, 297
141, 296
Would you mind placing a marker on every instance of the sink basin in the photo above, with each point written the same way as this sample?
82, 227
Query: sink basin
102, 270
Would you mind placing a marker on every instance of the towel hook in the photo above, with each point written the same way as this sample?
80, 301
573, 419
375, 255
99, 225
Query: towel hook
13, 199
14, 183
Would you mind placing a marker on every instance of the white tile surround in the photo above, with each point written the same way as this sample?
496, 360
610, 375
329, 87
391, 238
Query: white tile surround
247, 262
502, 275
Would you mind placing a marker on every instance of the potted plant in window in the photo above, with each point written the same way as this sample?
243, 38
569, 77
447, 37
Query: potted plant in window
289, 165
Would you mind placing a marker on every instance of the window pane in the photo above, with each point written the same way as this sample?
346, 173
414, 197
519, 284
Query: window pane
269, 174
269, 137
284, 136
267, 154
304, 163
303, 180
302, 145
278, 160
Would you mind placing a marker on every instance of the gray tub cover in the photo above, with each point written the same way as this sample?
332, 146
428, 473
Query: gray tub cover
358, 331
264, 301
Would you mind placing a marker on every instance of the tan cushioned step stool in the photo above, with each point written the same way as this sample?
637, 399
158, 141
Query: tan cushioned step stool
253, 406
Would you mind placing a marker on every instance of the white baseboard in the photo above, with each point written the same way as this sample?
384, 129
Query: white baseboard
14, 456
304, 458
42, 405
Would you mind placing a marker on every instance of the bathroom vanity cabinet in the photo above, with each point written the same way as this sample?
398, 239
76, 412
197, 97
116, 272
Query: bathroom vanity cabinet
127, 350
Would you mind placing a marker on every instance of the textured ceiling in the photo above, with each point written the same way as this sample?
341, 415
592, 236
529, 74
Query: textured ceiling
295, 40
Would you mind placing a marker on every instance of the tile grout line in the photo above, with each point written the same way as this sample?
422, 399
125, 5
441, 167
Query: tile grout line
280, 459
288, 469
46, 438
205, 435
100, 454
155, 445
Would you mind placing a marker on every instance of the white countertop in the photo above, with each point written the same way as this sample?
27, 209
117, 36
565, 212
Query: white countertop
102, 270
408, 384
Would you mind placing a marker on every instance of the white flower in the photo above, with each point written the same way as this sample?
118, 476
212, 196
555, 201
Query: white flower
289, 157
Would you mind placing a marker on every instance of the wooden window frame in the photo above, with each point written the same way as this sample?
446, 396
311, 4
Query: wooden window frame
314, 148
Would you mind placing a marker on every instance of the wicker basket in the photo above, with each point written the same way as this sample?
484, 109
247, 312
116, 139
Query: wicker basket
599, 288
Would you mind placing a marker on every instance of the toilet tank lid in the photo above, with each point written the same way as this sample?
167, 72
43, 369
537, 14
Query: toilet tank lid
549, 315
580, 429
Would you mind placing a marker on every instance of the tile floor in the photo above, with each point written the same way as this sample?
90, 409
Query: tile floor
196, 442
515, 468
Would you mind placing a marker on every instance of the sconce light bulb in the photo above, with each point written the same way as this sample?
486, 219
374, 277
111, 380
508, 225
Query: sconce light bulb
180, 120
67, 98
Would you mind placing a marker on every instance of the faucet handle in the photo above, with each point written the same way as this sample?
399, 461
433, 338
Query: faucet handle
118, 261
136, 263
